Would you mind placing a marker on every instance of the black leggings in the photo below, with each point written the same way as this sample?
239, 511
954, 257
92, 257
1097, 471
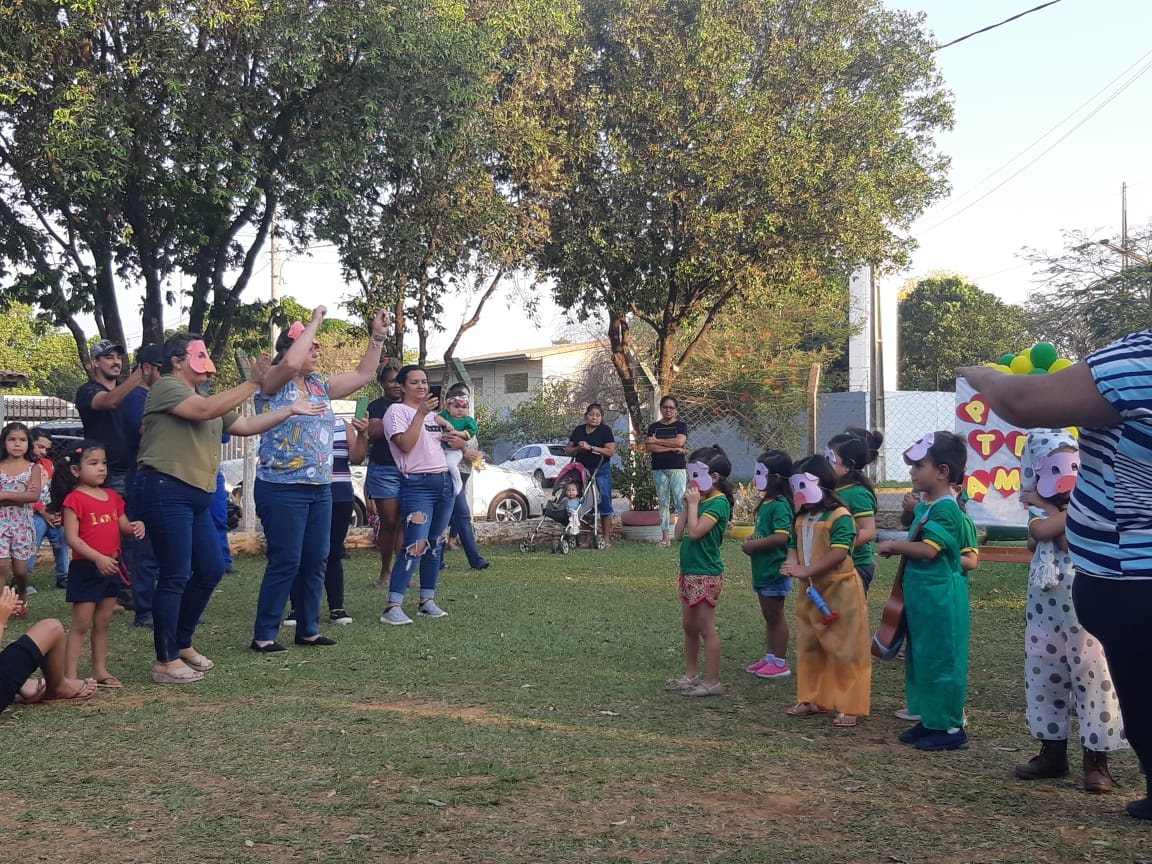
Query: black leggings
1117, 612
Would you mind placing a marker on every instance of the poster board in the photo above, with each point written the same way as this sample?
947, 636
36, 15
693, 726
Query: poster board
994, 449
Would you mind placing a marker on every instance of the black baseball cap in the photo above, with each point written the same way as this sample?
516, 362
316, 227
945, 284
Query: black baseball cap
152, 354
107, 346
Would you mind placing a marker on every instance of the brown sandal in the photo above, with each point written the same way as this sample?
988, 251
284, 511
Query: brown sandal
844, 721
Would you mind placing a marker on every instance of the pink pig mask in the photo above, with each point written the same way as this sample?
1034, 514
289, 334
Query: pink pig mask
198, 358
805, 490
699, 476
1056, 473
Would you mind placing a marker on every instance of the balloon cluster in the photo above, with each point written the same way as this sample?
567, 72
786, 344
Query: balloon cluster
1040, 359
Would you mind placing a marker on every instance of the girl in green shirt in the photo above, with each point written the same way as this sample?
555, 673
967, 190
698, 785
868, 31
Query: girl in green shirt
707, 511
850, 452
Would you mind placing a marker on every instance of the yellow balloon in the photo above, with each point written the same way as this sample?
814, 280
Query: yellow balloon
1000, 367
1027, 352
1021, 365
1062, 363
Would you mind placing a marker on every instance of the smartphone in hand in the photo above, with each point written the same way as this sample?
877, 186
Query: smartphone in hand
361, 407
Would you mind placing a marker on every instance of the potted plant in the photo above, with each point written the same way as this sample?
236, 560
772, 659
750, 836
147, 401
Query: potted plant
744, 512
632, 478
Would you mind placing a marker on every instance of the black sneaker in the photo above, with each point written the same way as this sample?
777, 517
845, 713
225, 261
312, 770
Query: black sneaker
314, 643
289, 619
939, 739
914, 733
339, 616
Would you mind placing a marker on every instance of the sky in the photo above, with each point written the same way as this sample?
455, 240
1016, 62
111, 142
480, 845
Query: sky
1017, 89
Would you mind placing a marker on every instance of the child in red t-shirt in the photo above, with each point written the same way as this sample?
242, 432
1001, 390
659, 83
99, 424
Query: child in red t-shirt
94, 520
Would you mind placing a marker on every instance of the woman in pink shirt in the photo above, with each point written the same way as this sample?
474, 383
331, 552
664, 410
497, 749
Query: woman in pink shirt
426, 496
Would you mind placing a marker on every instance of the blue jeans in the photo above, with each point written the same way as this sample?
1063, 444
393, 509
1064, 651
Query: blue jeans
140, 558
59, 547
670, 485
604, 487
178, 519
461, 526
220, 518
297, 520
430, 495
334, 567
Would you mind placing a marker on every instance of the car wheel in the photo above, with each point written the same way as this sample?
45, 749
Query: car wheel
359, 515
508, 507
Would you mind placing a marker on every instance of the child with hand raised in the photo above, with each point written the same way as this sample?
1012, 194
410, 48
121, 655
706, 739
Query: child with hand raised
94, 521
767, 550
705, 517
833, 664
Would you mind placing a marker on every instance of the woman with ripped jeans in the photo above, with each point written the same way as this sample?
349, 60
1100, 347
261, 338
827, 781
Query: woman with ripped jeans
426, 495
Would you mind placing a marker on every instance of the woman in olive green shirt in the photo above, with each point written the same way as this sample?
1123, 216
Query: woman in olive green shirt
179, 458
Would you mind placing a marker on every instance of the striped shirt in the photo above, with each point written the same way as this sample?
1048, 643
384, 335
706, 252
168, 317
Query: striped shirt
341, 471
1110, 517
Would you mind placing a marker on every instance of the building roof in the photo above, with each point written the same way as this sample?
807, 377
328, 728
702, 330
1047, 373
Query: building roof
529, 353
11, 379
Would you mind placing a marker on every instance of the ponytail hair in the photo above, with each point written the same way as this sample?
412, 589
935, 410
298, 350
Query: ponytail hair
718, 463
856, 449
63, 480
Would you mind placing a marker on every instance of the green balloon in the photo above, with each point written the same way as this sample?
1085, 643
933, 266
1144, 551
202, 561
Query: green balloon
1038, 371
1006, 359
1044, 354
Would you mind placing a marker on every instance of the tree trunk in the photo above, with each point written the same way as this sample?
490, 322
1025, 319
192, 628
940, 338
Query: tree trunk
620, 340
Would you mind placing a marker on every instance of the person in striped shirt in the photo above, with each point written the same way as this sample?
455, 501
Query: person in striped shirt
1109, 523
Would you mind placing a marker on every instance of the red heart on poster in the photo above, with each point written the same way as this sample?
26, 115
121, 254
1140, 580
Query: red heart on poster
1016, 441
1006, 481
975, 410
978, 483
985, 441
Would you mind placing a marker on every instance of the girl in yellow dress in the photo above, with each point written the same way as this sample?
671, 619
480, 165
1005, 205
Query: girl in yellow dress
833, 664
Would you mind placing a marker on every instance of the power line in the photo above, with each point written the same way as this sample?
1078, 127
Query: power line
1001, 24
955, 199
1044, 152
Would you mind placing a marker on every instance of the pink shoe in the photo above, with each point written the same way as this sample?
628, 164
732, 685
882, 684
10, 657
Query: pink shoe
757, 666
776, 669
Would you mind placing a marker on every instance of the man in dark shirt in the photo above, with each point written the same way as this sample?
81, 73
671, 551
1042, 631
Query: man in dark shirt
99, 403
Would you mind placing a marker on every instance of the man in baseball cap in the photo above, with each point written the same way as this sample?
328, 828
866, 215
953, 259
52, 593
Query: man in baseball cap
106, 347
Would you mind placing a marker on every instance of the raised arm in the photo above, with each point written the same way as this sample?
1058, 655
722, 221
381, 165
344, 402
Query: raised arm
110, 400
293, 360
197, 407
347, 383
1069, 397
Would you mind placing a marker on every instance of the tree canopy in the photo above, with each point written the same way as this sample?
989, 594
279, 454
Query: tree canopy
715, 152
145, 139
945, 322
1089, 293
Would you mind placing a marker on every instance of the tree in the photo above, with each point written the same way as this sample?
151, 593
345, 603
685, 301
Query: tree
47, 355
945, 322
714, 153
142, 139
1090, 294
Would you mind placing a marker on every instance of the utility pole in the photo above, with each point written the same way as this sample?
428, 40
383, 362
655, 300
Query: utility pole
876, 385
274, 330
1124, 224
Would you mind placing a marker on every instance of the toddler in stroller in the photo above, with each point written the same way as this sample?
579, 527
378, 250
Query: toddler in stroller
573, 505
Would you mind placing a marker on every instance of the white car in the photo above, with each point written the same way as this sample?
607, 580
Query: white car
498, 495
542, 461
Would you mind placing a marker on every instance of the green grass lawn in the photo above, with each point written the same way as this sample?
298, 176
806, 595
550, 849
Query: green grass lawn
531, 726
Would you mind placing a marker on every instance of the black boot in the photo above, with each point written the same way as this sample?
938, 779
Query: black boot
1096, 776
1051, 761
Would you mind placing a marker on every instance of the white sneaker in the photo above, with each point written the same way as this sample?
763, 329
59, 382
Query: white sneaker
394, 615
429, 609
30, 590
903, 714
339, 616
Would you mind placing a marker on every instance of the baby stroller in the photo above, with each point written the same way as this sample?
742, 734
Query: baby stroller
581, 517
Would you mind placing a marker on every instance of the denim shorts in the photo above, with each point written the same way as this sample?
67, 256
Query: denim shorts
382, 482
86, 584
781, 588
